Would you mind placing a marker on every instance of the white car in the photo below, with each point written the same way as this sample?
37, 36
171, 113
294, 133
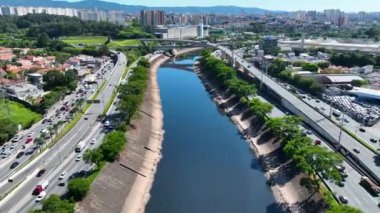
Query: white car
93, 141
30, 134
78, 158
62, 175
41, 196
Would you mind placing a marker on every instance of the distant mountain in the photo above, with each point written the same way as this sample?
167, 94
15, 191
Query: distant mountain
102, 5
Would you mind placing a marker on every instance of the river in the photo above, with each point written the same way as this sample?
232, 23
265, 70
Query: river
206, 165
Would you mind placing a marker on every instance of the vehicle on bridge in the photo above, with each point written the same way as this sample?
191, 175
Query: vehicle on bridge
370, 186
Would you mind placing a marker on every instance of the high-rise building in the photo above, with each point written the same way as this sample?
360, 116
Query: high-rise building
152, 17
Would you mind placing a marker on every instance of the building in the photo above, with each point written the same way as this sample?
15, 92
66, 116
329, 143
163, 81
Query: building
365, 93
23, 91
181, 32
152, 17
269, 44
331, 79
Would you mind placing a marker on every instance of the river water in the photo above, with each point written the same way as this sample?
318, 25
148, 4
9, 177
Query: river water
206, 165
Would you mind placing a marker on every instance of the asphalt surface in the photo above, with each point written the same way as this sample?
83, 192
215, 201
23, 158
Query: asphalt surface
5, 171
366, 156
357, 196
62, 157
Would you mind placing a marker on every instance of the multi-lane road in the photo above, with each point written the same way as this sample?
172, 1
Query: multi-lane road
357, 196
320, 123
62, 157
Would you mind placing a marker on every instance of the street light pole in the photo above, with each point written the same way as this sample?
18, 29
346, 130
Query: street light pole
340, 131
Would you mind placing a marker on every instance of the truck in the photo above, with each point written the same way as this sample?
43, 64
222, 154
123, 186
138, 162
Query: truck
80, 146
369, 185
40, 187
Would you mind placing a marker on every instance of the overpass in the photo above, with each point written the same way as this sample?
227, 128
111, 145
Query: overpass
366, 159
340, 47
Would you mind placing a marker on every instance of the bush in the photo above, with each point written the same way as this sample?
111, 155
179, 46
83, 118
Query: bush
113, 143
78, 188
55, 204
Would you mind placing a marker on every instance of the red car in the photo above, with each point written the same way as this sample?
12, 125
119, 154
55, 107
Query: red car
28, 140
317, 142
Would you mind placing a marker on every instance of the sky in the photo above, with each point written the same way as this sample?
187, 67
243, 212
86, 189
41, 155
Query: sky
286, 5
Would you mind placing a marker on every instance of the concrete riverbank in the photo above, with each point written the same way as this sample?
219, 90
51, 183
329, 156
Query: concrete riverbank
279, 170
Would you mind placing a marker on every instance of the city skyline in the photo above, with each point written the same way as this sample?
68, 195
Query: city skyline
285, 5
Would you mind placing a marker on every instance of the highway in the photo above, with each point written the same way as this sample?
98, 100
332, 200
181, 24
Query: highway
355, 193
326, 127
61, 157
5, 171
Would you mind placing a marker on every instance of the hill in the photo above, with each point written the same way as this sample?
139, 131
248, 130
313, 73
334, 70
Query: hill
102, 5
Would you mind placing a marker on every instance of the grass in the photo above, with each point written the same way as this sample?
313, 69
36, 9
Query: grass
373, 149
99, 90
85, 40
127, 42
109, 103
20, 114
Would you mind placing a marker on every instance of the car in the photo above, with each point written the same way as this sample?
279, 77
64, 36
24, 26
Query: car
62, 175
356, 150
44, 121
14, 165
373, 140
340, 184
5, 154
30, 151
338, 118
323, 108
317, 142
343, 174
20, 154
340, 168
78, 158
85, 118
30, 134
15, 139
40, 196
28, 140
346, 120
361, 129
308, 132
12, 146
316, 100
93, 141
41, 172
343, 199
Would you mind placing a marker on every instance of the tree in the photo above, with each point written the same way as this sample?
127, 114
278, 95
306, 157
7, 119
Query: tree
277, 66
7, 129
54, 204
93, 156
309, 67
113, 143
323, 65
78, 188
260, 108
42, 40
359, 83
285, 127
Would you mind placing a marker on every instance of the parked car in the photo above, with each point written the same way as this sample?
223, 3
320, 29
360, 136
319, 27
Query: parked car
361, 129
373, 140
356, 150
